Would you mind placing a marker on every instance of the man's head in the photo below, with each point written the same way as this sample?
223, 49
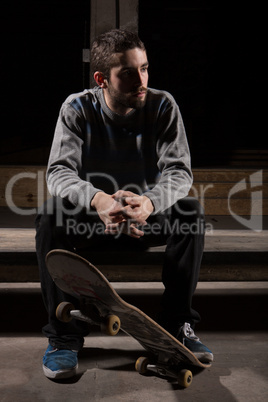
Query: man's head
106, 45
120, 67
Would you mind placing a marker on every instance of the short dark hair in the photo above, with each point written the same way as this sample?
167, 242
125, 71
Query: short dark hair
109, 43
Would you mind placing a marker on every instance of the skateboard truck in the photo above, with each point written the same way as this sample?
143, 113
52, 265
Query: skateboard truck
110, 324
184, 377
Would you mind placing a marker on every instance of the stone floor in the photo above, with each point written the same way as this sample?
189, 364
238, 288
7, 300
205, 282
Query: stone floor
106, 364
106, 371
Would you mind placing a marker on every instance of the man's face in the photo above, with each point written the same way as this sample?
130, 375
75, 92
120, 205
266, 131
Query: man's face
127, 86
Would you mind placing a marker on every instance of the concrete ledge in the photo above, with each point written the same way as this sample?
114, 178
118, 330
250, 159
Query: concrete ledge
227, 240
230, 255
222, 305
238, 266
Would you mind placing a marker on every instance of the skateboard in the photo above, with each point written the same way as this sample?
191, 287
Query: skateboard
100, 304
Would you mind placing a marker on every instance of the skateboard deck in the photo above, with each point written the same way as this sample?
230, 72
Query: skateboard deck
79, 278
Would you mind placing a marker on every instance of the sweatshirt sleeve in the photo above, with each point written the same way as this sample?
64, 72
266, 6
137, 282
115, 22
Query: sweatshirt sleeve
174, 162
65, 161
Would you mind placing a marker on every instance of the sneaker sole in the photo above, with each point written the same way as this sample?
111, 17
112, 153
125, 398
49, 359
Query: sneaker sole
59, 374
204, 357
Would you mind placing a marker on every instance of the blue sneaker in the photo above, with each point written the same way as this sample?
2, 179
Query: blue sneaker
59, 364
188, 338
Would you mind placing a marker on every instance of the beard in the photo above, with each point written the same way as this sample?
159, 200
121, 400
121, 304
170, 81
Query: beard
128, 100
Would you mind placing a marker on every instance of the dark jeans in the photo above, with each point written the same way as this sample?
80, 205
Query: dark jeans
181, 228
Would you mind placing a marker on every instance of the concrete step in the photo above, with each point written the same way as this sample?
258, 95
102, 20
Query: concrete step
230, 255
224, 306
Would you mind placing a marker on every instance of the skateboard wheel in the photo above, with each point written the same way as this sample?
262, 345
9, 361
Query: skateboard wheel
63, 311
141, 365
112, 325
185, 378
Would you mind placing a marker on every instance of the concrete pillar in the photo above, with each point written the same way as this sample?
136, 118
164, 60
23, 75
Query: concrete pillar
128, 15
102, 17
110, 14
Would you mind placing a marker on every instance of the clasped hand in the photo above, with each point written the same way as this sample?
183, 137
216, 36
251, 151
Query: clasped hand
123, 212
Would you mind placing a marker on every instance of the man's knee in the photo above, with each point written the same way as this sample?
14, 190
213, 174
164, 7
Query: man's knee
54, 212
50, 215
190, 207
45, 220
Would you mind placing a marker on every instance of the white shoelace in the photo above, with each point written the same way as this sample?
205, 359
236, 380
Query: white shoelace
189, 332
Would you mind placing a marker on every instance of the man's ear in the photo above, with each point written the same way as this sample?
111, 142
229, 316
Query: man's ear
100, 80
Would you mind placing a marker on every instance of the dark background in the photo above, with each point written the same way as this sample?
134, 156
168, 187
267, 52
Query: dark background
209, 54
